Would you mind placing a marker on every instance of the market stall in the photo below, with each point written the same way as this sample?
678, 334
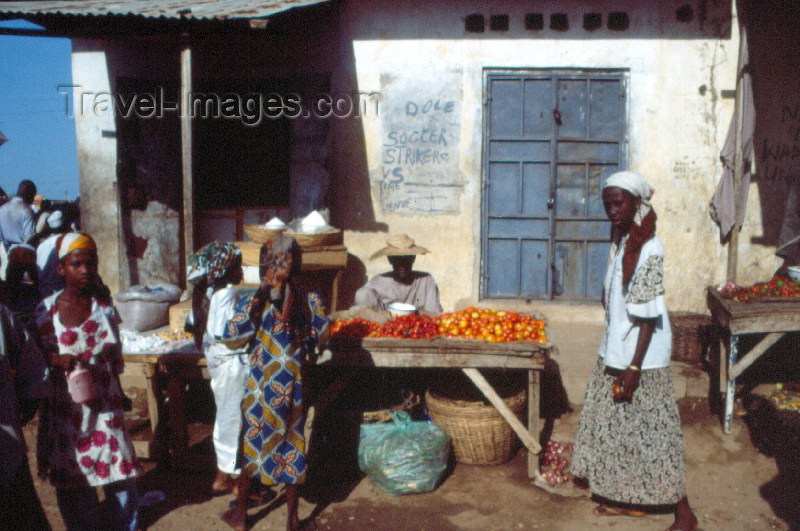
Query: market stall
169, 367
772, 316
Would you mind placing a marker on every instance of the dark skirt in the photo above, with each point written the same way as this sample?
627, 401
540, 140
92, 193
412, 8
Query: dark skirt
631, 453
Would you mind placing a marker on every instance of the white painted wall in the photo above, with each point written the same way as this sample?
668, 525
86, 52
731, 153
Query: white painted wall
675, 132
97, 161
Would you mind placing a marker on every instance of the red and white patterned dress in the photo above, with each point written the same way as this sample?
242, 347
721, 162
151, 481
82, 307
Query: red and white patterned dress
82, 445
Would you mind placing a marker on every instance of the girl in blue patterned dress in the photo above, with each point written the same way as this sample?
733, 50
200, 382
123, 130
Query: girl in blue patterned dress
287, 324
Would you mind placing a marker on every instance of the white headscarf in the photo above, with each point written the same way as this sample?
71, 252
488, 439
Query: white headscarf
636, 184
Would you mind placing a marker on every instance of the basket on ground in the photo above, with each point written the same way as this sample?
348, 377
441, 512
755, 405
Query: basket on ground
480, 435
690, 336
260, 233
317, 239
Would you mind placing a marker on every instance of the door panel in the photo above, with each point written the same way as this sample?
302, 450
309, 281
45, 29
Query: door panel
551, 139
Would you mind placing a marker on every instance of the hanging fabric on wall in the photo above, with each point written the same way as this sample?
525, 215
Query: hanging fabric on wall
724, 210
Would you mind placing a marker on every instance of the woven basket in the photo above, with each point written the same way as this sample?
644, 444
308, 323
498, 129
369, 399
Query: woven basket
317, 239
480, 435
690, 335
261, 234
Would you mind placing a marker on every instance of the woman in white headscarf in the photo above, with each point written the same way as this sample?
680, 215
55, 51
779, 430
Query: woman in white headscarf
629, 446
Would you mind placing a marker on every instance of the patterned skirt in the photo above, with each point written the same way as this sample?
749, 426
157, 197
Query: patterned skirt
631, 453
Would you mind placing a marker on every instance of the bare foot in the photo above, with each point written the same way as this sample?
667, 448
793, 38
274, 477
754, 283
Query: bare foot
685, 520
236, 519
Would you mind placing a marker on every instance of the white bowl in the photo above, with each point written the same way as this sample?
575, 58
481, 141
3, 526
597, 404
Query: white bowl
396, 309
794, 273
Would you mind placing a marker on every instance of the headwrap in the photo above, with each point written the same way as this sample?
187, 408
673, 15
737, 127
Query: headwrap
644, 221
213, 262
74, 241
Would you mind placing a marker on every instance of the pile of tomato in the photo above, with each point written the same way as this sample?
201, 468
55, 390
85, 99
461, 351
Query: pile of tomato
410, 327
356, 327
778, 287
483, 324
493, 326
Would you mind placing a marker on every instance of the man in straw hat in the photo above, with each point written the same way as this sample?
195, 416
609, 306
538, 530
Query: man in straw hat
402, 284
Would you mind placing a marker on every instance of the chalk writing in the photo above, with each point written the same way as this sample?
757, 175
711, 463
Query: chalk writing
419, 145
683, 169
780, 153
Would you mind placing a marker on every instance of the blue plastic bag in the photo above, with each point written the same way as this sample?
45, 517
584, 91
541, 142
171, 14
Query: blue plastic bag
403, 456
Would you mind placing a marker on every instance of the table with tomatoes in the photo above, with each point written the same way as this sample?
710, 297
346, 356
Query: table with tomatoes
770, 309
469, 340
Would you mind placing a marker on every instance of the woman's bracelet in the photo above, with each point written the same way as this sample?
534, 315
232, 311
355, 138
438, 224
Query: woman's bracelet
634, 368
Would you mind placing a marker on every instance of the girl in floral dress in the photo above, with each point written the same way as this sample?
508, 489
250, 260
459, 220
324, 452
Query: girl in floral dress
85, 445
287, 324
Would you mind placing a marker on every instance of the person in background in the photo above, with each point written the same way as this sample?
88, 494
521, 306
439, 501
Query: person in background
288, 325
16, 218
47, 258
629, 445
402, 284
22, 283
214, 270
83, 442
23, 383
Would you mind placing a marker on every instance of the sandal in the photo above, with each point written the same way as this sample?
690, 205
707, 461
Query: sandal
607, 510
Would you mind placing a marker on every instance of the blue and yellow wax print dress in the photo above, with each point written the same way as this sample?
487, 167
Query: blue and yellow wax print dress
273, 446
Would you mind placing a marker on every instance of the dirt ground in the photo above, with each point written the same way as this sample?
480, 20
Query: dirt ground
747, 480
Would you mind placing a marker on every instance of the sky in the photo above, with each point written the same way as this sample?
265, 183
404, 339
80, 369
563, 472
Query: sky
41, 137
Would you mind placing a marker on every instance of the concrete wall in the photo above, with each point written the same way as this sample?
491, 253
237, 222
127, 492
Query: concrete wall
409, 51
97, 164
676, 126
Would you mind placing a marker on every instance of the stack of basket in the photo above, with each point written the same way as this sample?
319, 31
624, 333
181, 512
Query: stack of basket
480, 435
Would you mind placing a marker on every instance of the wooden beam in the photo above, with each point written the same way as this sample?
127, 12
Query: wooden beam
186, 152
488, 391
738, 159
754, 354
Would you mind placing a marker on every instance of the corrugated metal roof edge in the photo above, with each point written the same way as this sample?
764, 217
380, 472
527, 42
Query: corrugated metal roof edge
10, 14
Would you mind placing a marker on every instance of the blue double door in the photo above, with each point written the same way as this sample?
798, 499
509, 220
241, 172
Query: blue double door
551, 138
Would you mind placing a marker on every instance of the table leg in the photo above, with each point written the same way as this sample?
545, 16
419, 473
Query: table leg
178, 436
730, 390
533, 420
153, 394
337, 279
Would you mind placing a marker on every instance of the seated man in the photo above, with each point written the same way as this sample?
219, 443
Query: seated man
402, 284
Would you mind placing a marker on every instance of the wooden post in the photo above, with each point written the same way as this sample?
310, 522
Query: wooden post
186, 152
738, 162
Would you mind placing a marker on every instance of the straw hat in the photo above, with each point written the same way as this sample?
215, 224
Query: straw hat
400, 245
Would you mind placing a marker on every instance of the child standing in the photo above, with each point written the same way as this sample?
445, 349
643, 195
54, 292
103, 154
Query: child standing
84, 444
215, 270
629, 445
287, 325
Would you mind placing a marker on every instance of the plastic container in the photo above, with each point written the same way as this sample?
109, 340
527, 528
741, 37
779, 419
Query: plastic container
80, 385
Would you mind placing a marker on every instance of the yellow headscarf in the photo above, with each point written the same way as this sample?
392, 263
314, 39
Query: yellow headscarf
74, 241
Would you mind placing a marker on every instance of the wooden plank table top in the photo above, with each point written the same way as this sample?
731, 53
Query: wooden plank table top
753, 316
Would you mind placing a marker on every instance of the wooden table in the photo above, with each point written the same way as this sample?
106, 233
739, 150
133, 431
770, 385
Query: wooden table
169, 372
467, 355
735, 319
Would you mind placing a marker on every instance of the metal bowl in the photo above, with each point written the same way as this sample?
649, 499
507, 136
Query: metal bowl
397, 309
794, 273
